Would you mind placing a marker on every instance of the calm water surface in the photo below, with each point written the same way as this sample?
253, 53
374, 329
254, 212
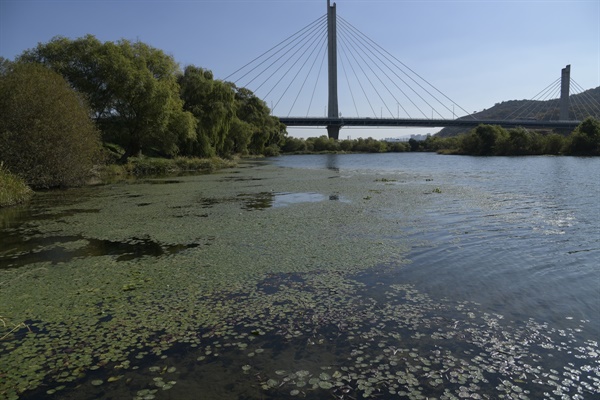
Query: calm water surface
527, 244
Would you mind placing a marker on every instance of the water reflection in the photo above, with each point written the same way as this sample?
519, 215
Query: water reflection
264, 200
21, 251
332, 162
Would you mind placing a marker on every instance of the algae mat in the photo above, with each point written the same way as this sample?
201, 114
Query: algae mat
257, 282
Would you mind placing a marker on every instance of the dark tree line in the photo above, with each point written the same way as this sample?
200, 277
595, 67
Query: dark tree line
492, 140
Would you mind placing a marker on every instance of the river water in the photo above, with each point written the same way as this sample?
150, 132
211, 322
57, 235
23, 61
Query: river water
527, 243
314, 276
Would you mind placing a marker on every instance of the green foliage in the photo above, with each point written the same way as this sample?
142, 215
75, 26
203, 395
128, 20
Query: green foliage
543, 110
5, 66
131, 87
324, 144
370, 145
13, 189
553, 144
294, 145
152, 166
266, 129
494, 140
585, 139
486, 138
414, 144
46, 135
230, 120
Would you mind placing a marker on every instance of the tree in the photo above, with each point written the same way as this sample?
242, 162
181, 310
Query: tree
414, 144
131, 87
5, 66
213, 105
488, 136
553, 144
585, 139
46, 134
267, 130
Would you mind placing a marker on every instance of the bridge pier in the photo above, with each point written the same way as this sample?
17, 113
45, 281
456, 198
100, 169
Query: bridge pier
333, 131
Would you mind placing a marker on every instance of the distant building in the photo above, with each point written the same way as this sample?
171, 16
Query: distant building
418, 138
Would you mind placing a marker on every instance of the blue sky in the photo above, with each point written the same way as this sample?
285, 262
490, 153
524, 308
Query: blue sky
477, 53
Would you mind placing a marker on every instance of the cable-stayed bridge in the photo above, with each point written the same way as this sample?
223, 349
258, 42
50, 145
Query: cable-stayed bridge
377, 89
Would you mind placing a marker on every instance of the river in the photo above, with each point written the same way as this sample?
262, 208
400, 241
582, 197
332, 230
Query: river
315, 276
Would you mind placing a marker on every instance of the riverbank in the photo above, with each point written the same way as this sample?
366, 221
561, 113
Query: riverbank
14, 191
149, 166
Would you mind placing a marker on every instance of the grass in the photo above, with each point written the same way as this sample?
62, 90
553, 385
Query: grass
144, 166
13, 190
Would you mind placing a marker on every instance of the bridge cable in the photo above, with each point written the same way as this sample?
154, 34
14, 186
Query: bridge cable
420, 77
324, 42
358, 80
291, 38
551, 98
395, 84
308, 58
316, 83
308, 47
575, 104
352, 39
581, 104
348, 82
525, 105
369, 79
284, 63
538, 105
403, 81
392, 81
588, 101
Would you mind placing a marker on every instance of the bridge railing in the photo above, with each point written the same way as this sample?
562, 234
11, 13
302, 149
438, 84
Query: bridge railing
383, 122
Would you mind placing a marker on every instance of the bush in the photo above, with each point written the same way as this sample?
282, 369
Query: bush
585, 139
46, 134
13, 189
292, 145
148, 166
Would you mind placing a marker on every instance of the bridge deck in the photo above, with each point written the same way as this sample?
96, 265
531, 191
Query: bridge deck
381, 122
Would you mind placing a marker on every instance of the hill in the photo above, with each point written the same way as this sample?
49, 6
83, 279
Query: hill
582, 105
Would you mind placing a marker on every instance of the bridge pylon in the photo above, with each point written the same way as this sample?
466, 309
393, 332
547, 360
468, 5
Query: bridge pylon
333, 131
565, 82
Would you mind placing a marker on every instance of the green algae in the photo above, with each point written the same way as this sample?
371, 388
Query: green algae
256, 289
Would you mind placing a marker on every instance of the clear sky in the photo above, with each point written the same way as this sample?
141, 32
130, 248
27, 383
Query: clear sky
476, 52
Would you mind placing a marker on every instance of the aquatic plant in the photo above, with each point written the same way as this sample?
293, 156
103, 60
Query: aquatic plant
268, 302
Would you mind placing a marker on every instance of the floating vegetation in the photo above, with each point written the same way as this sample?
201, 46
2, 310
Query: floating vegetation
293, 305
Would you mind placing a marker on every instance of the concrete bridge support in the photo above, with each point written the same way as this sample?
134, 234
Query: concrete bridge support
333, 131
565, 81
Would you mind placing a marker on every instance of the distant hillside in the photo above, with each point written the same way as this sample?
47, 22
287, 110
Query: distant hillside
581, 107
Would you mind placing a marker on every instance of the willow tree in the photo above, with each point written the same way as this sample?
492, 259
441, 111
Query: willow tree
131, 87
266, 129
212, 102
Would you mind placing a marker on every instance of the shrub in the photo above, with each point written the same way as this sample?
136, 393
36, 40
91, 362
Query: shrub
585, 139
46, 135
13, 189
